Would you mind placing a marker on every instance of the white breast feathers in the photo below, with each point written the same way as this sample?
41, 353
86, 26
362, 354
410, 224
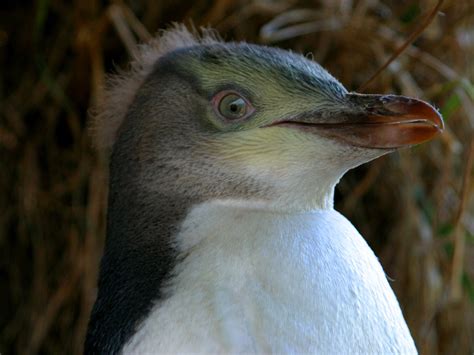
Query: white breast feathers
259, 281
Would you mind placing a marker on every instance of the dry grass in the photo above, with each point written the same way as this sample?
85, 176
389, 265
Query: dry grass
416, 208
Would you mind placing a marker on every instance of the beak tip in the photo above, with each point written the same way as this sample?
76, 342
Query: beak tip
437, 119
411, 108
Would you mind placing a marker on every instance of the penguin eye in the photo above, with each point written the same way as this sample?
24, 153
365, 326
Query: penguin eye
232, 106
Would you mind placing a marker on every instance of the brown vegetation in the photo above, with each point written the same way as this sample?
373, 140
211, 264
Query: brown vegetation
415, 207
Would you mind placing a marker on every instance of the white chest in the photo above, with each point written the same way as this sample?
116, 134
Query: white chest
254, 281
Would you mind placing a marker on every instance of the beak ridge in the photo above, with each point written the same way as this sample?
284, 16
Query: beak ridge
393, 108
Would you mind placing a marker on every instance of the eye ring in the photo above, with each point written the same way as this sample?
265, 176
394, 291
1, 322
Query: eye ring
231, 106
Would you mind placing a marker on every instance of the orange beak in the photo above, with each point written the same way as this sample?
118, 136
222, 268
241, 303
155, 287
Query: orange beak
378, 121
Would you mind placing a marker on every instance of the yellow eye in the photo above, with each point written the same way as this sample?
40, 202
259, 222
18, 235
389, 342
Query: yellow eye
231, 106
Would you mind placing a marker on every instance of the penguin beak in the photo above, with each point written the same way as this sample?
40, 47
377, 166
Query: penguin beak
379, 121
388, 122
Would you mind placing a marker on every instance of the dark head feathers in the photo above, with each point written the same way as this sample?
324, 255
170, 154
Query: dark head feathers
120, 88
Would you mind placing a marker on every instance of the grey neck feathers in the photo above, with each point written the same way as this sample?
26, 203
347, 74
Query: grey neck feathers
137, 261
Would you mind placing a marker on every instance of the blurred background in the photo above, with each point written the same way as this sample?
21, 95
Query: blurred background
415, 207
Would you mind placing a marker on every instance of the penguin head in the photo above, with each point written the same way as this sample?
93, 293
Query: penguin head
241, 122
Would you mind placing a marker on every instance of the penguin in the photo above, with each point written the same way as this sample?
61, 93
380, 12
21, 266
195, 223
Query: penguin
222, 235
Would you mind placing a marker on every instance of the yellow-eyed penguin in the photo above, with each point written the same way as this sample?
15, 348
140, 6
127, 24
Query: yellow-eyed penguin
221, 232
